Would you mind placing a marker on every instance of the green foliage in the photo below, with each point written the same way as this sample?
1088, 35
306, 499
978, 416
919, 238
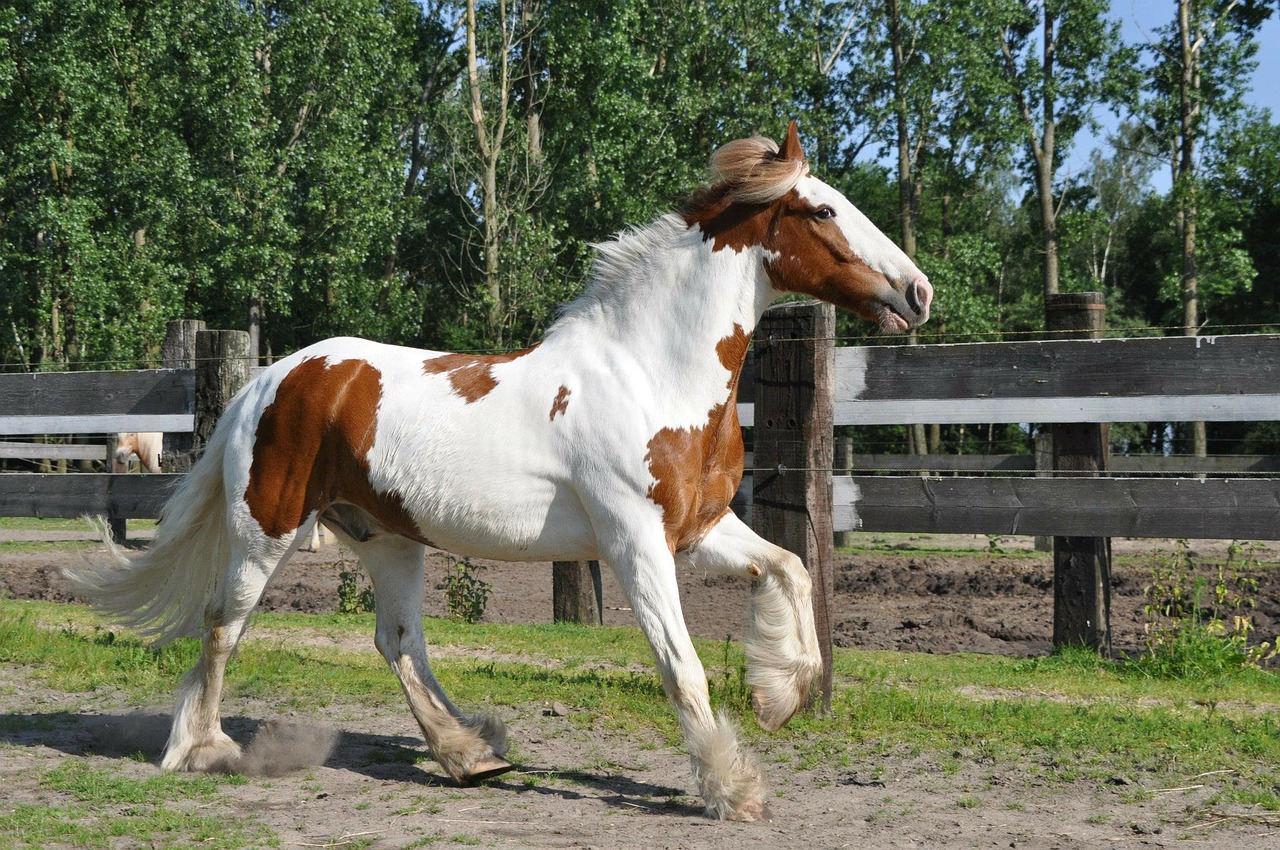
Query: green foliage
1198, 625
465, 593
729, 688
191, 158
352, 597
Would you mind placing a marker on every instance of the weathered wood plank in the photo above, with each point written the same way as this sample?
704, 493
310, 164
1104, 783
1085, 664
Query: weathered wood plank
97, 402
78, 494
1170, 379
144, 391
1066, 409
1224, 508
1117, 368
52, 451
1144, 464
968, 411
15, 426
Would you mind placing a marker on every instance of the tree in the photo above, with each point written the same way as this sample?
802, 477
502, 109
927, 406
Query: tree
1061, 59
1200, 60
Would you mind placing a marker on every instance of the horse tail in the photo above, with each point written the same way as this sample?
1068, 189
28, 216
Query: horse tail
163, 591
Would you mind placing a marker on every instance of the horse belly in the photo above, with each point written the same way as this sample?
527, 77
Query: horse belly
516, 529
530, 521
484, 491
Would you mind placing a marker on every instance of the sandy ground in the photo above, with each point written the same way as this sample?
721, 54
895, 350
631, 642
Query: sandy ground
599, 789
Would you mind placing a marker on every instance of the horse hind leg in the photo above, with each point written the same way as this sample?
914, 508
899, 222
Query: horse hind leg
783, 657
467, 747
196, 740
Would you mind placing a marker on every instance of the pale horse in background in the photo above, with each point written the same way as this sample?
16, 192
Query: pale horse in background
145, 445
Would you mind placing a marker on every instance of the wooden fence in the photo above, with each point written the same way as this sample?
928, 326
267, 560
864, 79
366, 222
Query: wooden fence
1162, 379
796, 388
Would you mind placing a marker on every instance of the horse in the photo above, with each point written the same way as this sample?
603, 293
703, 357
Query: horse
145, 444
616, 437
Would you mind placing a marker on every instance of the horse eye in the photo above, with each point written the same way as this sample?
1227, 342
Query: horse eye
824, 212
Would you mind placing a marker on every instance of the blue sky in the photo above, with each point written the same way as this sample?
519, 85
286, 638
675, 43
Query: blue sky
1139, 20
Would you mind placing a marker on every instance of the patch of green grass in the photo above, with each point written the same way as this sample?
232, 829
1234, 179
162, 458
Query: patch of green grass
88, 784
90, 828
78, 526
1070, 716
105, 806
23, 523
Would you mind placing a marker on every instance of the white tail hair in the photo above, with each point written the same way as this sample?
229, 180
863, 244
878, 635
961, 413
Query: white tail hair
163, 591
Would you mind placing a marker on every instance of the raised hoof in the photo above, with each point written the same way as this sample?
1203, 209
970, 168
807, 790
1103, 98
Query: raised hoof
487, 769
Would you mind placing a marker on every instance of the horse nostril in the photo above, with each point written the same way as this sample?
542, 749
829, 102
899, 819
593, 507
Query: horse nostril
919, 294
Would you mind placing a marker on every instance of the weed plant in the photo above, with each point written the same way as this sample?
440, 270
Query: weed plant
1199, 622
354, 597
465, 593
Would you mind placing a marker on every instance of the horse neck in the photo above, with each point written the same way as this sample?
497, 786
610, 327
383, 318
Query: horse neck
674, 298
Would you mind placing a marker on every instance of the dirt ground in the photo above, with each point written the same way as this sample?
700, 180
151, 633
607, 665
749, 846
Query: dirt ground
605, 790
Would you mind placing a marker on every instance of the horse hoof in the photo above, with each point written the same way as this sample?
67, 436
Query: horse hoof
487, 768
751, 812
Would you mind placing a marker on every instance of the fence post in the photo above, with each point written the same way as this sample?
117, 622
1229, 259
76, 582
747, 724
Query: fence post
222, 368
178, 351
793, 433
576, 592
1081, 565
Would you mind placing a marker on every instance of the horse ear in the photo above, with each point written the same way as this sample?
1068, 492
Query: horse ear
791, 149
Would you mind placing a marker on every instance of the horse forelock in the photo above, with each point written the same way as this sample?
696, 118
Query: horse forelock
752, 171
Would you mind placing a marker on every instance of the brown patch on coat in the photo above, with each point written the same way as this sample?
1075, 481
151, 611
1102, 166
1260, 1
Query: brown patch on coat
726, 222
814, 258
470, 375
697, 471
561, 403
311, 449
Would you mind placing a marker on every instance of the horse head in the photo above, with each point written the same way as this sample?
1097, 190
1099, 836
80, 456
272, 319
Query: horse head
815, 242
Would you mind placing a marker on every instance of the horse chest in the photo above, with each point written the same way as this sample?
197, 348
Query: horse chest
696, 472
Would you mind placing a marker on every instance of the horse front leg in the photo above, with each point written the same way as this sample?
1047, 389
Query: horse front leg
728, 777
467, 747
783, 657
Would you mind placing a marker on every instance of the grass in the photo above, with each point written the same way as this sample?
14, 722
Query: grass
1064, 718
98, 807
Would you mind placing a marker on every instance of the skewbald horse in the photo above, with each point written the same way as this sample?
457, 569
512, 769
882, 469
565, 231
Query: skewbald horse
616, 437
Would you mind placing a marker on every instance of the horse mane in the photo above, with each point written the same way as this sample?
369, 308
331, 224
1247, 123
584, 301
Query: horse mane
742, 171
751, 171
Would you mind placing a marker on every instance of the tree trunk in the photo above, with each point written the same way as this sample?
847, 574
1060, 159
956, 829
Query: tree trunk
1185, 187
1044, 165
908, 191
489, 141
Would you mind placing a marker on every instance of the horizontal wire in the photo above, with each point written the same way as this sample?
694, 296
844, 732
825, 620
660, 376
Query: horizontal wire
1016, 473
998, 336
